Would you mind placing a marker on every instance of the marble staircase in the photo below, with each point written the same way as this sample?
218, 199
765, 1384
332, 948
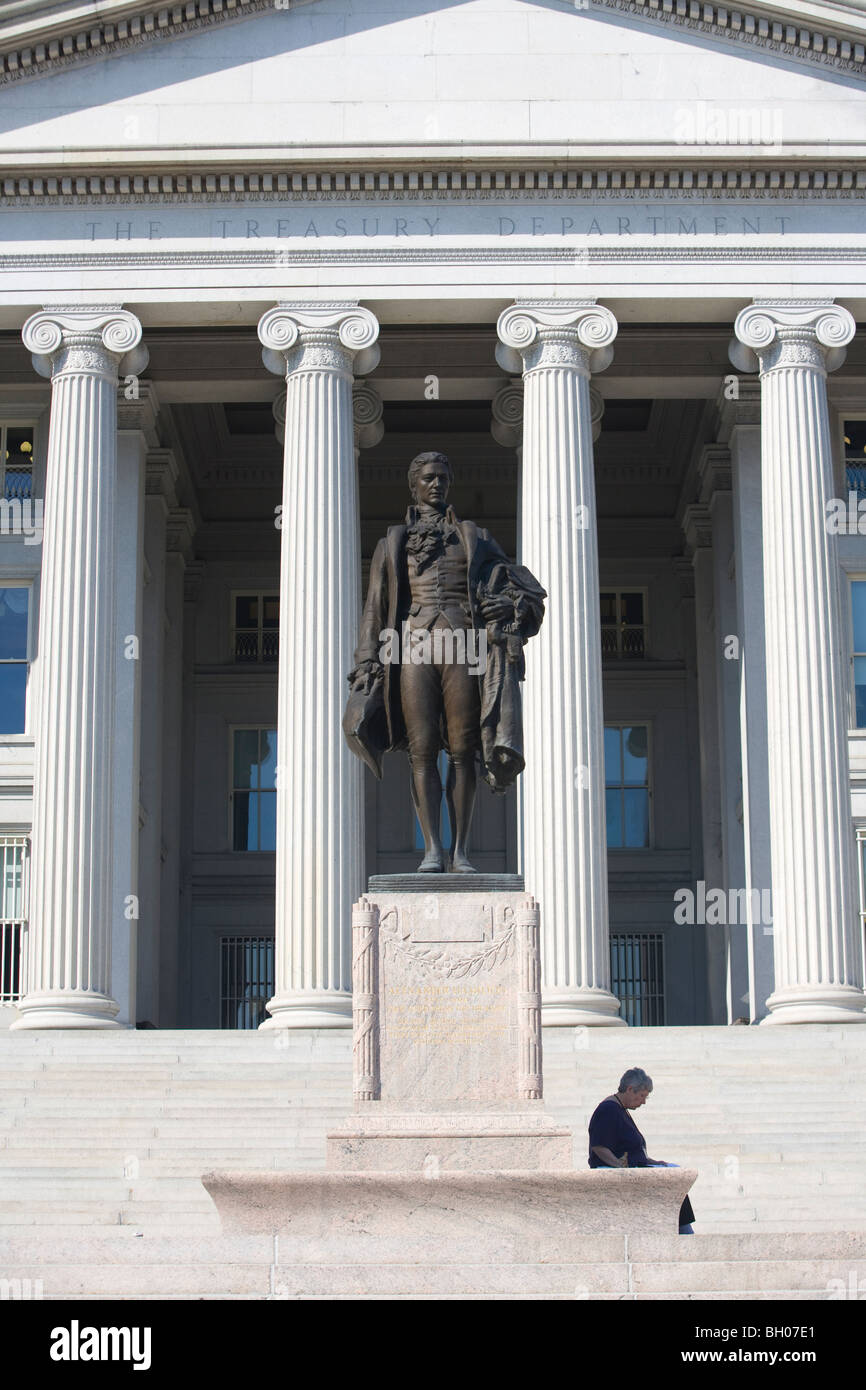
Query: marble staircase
104, 1136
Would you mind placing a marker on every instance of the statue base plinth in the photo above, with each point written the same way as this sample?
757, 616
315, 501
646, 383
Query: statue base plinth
451, 1142
445, 883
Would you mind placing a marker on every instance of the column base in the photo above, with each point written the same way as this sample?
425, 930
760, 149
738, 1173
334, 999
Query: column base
313, 1008
818, 1004
588, 1008
63, 1008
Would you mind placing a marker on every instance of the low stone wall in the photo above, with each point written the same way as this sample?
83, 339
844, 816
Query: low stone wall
491, 1217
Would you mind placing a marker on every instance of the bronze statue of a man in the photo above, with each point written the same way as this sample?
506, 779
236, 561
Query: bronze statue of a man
440, 658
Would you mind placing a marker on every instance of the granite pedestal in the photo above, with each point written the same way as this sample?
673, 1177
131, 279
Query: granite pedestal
447, 1031
448, 1153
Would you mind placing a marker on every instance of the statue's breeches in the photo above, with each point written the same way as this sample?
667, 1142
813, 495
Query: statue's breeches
434, 689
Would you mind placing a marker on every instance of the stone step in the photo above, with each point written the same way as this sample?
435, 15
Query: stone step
656, 1249
177, 1163
286, 1100
39, 1130
256, 1109
577, 1280
49, 1192
114, 1222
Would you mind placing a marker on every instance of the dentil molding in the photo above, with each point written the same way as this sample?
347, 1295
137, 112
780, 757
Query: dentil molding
711, 172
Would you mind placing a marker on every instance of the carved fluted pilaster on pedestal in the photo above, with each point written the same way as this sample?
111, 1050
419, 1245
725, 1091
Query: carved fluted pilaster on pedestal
71, 903
365, 1000
530, 1083
558, 345
817, 961
317, 347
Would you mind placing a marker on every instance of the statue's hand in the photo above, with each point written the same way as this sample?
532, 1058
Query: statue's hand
364, 677
496, 608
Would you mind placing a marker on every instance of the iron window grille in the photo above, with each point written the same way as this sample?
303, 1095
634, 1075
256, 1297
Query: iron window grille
247, 980
255, 628
13, 917
637, 972
624, 629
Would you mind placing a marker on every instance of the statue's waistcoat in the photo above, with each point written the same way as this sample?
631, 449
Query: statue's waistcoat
440, 589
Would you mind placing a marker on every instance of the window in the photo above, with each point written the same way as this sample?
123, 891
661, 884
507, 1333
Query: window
254, 794
14, 652
858, 646
855, 456
246, 980
16, 461
626, 778
13, 894
623, 622
255, 628
637, 977
861, 876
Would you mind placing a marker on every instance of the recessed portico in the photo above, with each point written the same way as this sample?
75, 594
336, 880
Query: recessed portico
663, 453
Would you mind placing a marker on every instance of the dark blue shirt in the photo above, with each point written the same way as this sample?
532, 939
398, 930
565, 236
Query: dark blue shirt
612, 1127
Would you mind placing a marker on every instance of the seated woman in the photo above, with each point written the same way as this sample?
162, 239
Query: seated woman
615, 1140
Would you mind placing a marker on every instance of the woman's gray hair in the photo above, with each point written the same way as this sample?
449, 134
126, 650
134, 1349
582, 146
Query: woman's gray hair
418, 463
637, 1078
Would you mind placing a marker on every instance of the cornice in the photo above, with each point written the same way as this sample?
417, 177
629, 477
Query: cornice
836, 41
41, 46
719, 172
35, 43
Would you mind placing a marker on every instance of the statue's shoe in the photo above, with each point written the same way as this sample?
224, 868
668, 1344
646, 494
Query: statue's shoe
462, 866
431, 864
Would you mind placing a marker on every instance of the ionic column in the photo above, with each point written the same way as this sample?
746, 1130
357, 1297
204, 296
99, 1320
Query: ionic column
740, 428
564, 853
72, 903
817, 967
320, 825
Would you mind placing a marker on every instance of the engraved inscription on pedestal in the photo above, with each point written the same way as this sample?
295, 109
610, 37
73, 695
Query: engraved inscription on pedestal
447, 1000
447, 1038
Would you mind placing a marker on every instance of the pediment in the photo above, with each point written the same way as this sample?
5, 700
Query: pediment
419, 96
38, 37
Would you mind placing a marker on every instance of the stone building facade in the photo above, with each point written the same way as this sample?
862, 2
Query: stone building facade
608, 257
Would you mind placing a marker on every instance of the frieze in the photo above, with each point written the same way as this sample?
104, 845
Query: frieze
487, 255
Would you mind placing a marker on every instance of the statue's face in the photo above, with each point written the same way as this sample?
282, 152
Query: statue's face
431, 485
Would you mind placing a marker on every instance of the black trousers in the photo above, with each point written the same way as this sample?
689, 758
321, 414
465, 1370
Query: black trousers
687, 1216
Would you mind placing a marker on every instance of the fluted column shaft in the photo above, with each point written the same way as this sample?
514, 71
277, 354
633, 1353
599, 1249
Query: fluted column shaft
563, 797
817, 971
319, 790
71, 907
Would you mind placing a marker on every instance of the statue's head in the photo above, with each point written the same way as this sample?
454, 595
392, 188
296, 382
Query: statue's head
429, 479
